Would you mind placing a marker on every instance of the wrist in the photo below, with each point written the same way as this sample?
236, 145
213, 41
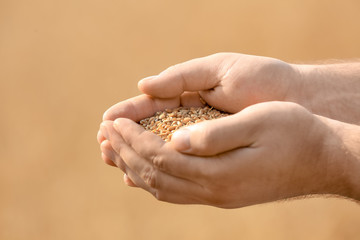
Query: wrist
331, 90
309, 86
341, 156
350, 135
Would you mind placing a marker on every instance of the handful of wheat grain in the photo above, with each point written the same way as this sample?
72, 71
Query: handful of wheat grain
165, 123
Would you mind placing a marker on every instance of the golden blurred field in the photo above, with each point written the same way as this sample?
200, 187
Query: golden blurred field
63, 63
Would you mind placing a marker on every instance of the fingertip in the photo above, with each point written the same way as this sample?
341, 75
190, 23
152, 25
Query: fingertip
167, 84
181, 140
107, 160
143, 82
105, 115
119, 122
106, 149
104, 144
104, 130
100, 137
128, 181
108, 114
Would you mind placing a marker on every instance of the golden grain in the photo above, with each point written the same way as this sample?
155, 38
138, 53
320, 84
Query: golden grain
165, 123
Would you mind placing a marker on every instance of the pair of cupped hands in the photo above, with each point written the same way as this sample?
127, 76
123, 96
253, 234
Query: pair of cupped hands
270, 148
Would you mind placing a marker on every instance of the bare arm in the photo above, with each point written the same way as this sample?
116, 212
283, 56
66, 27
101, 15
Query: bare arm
331, 90
342, 152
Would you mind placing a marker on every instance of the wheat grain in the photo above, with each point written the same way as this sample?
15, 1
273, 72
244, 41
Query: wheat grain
165, 123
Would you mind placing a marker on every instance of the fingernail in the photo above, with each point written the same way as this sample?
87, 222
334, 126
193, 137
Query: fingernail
181, 140
104, 131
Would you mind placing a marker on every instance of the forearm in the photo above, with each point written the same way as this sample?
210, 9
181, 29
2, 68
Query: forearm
331, 90
342, 155
352, 145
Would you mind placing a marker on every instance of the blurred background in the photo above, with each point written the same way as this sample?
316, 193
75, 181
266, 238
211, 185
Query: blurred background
63, 63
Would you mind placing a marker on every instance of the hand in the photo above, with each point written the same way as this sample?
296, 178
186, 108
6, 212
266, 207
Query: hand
266, 152
226, 81
231, 82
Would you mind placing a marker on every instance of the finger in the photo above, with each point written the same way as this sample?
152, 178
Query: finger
176, 190
144, 106
175, 177
107, 149
116, 144
128, 181
110, 156
132, 159
100, 137
134, 180
163, 186
213, 137
194, 75
139, 107
160, 154
107, 160
191, 99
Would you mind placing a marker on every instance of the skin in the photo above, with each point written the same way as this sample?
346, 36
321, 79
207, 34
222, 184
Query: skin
231, 82
271, 148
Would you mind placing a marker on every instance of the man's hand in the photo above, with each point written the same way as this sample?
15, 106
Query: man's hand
266, 152
226, 81
232, 81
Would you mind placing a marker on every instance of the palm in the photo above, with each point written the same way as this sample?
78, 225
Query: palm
246, 80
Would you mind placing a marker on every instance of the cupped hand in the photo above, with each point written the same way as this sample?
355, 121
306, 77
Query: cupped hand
226, 81
266, 152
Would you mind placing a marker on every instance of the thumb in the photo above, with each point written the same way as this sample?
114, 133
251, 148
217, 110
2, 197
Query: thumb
195, 75
215, 136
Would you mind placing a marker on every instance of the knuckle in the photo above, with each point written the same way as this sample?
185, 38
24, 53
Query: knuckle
176, 70
150, 176
158, 161
171, 69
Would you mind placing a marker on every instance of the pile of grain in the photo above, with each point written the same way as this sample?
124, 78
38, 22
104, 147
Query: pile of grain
165, 123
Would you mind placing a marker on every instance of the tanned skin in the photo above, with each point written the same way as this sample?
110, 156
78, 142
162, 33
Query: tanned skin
294, 132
